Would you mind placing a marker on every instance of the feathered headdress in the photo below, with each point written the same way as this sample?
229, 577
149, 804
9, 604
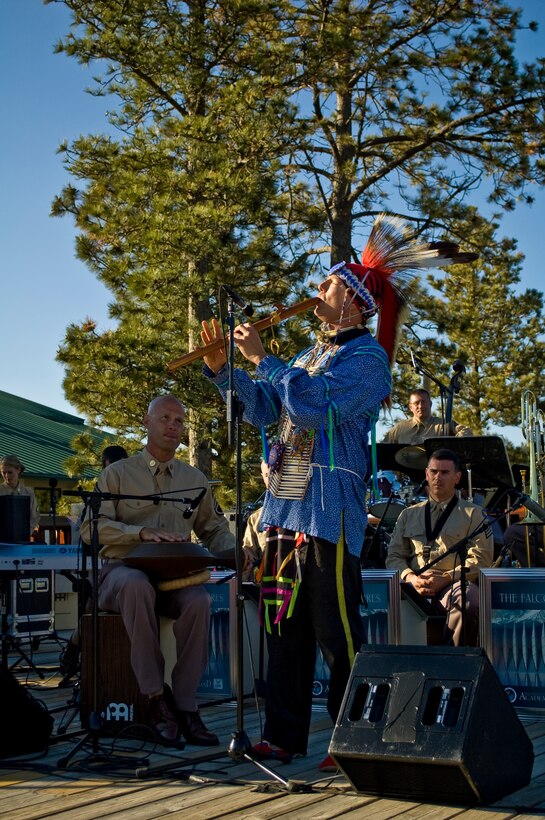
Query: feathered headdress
380, 283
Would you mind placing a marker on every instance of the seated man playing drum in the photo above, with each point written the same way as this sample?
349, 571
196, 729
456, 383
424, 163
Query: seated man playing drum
124, 522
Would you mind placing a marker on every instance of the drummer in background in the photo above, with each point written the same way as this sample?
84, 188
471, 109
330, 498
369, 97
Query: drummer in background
11, 469
423, 424
125, 522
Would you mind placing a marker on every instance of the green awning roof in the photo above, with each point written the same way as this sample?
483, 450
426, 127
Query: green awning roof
40, 436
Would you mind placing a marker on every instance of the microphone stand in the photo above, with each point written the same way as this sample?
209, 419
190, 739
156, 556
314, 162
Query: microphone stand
239, 746
376, 537
455, 385
461, 549
446, 393
92, 503
54, 495
53, 509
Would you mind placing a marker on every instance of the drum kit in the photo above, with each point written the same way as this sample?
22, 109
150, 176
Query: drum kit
399, 487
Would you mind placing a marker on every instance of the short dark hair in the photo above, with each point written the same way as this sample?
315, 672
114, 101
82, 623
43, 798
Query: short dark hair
113, 453
444, 454
420, 391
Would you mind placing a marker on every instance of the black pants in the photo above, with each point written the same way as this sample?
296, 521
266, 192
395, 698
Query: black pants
327, 612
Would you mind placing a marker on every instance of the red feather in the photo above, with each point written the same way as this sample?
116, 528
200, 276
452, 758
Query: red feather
390, 258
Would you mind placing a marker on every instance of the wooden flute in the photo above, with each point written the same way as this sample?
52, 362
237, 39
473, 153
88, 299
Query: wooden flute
275, 318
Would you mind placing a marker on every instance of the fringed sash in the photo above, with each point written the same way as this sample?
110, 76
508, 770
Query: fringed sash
280, 575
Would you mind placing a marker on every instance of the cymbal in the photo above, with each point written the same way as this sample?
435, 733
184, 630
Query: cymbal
412, 456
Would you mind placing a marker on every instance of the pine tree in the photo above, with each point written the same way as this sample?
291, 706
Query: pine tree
249, 140
476, 314
180, 197
403, 98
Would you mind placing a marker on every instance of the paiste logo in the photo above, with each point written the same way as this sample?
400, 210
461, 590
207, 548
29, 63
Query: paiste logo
120, 712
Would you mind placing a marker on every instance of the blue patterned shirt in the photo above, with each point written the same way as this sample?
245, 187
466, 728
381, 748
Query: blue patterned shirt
340, 405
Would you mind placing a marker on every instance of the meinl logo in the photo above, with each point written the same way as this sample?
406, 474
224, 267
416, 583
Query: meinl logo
120, 712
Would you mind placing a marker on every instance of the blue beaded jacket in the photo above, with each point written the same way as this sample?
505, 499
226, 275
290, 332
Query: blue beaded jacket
340, 405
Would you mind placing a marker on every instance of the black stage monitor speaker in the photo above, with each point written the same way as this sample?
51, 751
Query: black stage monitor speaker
431, 724
26, 723
14, 519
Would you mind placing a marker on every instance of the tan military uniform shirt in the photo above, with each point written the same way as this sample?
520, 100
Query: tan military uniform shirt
253, 544
406, 550
411, 432
121, 520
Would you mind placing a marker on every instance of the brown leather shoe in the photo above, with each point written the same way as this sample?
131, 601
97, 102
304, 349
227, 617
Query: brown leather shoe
194, 730
163, 721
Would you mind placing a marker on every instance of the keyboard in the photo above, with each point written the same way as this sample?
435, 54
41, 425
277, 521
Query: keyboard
41, 556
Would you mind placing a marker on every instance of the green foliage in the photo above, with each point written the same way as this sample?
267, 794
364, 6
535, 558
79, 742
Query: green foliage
477, 314
183, 197
249, 142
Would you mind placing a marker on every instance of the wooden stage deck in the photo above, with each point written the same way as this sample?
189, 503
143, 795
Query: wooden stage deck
124, 779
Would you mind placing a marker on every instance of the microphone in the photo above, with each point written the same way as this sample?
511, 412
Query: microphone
531, 505
194, 503
416, 362
245, 307
458, 366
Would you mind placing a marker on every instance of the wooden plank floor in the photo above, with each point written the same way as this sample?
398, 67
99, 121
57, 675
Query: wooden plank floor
124, 779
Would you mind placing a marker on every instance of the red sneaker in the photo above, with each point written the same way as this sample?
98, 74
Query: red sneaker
264, 751
328, 765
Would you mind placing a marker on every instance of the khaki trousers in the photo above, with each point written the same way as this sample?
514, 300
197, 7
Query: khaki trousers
129, 592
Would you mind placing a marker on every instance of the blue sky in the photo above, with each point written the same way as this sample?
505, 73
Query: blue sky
44, 287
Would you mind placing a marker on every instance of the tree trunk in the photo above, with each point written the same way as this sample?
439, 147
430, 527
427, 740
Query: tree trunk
199, 449
341, 201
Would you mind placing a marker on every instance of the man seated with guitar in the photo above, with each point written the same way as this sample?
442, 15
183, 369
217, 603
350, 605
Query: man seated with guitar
124, 522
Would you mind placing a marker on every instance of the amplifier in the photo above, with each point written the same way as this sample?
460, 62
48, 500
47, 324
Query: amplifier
14, 518
430, 724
